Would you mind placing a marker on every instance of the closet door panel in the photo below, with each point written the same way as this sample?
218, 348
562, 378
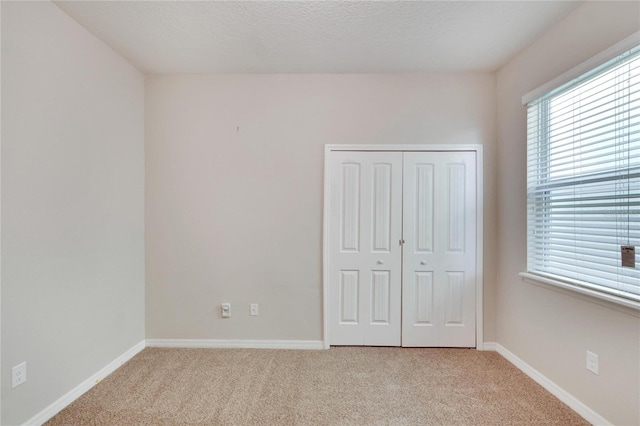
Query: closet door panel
439, 231
364, 254
420, 222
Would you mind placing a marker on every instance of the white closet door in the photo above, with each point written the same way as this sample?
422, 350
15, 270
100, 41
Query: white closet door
364, 254
439, 265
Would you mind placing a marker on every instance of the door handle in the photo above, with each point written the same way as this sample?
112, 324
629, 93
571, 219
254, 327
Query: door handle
423, 262
379, 262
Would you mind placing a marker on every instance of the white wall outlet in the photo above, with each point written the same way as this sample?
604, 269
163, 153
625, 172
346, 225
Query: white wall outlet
592, 362
254, 309
18, 375
226, 310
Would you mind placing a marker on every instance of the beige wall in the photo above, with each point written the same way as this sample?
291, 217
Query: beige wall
72, 205
549, 330
234, 172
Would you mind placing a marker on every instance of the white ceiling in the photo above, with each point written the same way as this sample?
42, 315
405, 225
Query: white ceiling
317, 36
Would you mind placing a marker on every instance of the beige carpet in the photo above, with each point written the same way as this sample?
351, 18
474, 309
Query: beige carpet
340, 386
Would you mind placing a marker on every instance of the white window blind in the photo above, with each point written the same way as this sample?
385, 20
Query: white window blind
583, 179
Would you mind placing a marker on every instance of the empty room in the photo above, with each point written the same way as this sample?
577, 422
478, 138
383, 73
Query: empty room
320, 212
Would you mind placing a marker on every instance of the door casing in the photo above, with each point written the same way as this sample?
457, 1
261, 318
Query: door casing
479, 221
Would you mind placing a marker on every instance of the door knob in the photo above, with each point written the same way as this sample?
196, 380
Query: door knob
379, 262
423, 262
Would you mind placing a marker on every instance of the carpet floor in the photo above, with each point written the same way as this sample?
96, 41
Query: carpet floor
339, 386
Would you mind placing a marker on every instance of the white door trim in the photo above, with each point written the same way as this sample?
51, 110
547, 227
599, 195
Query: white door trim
479, 222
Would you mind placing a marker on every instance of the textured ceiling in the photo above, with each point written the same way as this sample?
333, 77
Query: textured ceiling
317, 36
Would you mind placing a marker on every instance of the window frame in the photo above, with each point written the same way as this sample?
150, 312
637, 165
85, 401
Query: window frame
567, 285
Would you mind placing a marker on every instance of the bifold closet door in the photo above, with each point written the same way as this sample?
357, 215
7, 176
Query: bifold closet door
439, 254
365, 227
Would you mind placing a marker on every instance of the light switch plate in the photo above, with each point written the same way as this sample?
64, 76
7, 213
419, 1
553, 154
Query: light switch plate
225, 310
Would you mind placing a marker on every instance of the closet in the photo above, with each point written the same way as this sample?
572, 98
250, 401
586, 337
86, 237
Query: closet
401, 246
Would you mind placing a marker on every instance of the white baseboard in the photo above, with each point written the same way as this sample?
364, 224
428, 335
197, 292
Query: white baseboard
488, 346
76, 392
575, 404
241, 344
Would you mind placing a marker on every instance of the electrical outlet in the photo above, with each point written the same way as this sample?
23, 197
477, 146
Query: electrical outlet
592, 362
254, 309
226, 310
18, 375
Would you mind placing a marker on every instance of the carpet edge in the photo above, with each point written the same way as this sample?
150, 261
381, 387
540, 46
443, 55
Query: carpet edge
236, 344
574, 403
75, 393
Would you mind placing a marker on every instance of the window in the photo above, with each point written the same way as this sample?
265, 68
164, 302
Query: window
583, 179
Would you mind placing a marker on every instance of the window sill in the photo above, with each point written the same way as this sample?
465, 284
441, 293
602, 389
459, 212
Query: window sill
621, 304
